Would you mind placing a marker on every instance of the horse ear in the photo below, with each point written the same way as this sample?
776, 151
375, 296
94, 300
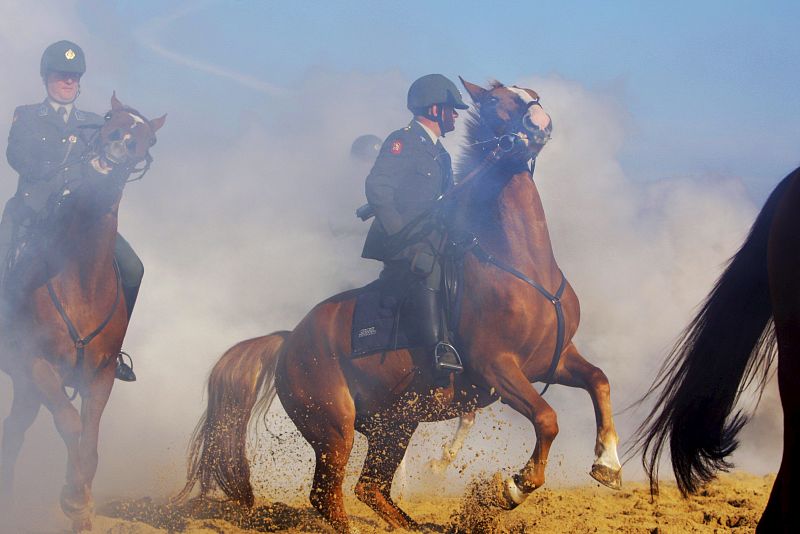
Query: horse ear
155, 124
115, 104
476, 92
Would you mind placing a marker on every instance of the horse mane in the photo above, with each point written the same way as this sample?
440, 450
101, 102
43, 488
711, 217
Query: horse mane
480, 209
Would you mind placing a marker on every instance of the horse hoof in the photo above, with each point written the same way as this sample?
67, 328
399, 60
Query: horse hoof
83, 525
507, 494
438, 466
607, 476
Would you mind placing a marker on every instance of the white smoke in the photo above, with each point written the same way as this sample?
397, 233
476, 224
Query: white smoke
242, 234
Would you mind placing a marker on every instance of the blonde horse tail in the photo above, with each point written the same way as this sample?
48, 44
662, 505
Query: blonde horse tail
244, 373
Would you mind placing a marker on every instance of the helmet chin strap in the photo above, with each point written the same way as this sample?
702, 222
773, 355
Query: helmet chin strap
438, 117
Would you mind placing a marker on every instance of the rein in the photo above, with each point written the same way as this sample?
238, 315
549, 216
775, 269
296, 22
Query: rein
81, 342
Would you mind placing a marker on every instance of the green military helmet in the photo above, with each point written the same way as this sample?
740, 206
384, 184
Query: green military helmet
63, 56
434, 89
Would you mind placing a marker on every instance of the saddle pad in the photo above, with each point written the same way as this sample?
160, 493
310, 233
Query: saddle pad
376, 324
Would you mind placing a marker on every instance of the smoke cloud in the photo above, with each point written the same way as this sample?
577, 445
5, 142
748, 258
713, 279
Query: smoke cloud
242, 233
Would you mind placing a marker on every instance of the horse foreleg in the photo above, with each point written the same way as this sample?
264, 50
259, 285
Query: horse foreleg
93, 402
451, 449
74, 495
575, 371
387, 446
503, 374
24, 409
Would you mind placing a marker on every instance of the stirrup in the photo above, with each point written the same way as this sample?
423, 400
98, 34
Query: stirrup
442, 349
124, 371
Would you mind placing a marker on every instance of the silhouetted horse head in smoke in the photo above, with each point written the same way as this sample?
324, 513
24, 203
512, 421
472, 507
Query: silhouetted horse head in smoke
66, 323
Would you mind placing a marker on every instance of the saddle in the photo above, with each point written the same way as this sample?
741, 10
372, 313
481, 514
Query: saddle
381, 321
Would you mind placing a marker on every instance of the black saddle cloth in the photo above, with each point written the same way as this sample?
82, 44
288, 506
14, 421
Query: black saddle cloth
381, 321
377, 318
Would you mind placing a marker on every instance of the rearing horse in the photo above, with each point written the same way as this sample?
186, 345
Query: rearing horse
510, 334
65, 318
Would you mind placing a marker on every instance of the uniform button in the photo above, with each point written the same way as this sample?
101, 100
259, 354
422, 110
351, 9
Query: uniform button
44, 139
63, 140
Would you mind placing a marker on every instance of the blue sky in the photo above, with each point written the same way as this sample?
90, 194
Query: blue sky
710, 87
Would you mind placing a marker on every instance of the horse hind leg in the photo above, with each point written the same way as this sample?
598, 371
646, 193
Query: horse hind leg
24, 409
327, 422
575, 371
452, 448
387, 444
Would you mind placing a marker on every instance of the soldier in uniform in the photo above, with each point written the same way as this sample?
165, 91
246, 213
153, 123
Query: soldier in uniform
44, 139
411, 172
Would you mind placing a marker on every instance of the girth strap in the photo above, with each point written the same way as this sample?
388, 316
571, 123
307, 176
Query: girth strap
555, 300
81, 342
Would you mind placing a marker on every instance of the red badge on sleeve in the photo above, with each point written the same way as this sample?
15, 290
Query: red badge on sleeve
397, 147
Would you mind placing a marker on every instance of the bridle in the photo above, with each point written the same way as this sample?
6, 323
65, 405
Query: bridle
133, 172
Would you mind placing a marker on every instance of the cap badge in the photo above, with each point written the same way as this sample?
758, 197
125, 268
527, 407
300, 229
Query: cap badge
69, 54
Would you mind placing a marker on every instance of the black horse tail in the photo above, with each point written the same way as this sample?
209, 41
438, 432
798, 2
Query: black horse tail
217, 447
729, 344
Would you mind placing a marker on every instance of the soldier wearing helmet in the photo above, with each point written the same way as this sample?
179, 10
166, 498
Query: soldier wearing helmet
46, 140
412, 171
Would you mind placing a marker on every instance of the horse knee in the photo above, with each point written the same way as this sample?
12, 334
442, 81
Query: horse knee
546, 424
600, 381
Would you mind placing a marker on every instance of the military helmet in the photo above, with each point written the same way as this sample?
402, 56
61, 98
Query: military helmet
63, 56
366, 147
434, 89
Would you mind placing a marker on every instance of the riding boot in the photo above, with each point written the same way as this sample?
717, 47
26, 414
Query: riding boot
124, 370
426, 303
131, 272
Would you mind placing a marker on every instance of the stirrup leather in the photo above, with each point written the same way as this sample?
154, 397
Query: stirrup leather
443, 348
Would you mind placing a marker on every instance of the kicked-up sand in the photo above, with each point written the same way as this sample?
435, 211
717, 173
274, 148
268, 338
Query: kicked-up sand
733, 503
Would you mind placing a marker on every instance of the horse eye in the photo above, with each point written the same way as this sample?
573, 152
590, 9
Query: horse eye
115, 135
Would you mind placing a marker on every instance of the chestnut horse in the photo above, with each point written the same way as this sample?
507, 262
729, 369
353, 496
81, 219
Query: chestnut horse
510, 334
729, 344
66, 285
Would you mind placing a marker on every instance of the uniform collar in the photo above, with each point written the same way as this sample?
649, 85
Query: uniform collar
430, 133
55, 105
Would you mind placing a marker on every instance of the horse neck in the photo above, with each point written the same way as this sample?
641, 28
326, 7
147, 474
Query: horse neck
510, 224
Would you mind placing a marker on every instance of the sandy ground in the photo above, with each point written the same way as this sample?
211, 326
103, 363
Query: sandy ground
731, 504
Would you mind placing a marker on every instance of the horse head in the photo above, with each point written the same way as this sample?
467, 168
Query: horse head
511, 118
120, 148
125, 138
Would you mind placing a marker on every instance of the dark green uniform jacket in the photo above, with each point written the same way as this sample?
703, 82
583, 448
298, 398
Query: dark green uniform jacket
408, 176
46, 151
40, 143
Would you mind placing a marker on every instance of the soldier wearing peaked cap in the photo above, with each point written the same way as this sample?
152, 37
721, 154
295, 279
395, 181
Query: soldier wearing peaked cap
44, 139
412, 170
